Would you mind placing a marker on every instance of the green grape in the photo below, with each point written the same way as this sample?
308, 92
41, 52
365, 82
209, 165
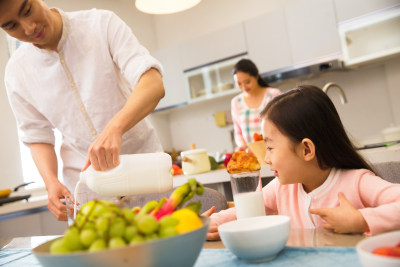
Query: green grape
87, 207
128, 214
59, 247
168, 221
99, 210
152, 236
200, 190
137, 239
116, 242
72, 239
117, 227
146, 224
102, 224
98, 244
87, 237
167, 232
89, 225
130, 232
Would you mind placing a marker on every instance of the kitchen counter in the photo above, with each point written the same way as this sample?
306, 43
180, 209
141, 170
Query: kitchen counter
217, 176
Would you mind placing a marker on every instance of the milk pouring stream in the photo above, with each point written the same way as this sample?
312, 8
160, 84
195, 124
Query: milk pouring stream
136, 174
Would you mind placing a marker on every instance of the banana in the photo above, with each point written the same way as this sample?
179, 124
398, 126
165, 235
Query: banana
5, 192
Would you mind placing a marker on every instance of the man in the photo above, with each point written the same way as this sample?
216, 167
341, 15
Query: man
75, 72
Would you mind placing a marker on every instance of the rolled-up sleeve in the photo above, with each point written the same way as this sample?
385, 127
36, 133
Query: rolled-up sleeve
129, 55
33, 126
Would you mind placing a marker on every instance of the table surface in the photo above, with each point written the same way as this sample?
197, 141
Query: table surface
297, 238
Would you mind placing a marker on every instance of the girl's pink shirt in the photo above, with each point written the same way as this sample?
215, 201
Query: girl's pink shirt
377, 200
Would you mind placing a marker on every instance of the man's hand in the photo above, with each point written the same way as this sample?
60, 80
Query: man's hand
104, 152
57, 191
343, 219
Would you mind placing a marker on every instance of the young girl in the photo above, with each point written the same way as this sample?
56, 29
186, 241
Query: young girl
321, 181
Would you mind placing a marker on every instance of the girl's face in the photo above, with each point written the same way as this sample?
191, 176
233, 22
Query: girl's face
28, 21
282, 155
245, 82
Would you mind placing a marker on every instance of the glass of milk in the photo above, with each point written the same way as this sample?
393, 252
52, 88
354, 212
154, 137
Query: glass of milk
247, 194
71, 210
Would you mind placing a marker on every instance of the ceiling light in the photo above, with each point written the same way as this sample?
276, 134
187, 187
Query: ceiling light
164, 6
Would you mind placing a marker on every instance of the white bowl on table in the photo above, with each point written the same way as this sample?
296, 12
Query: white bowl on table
368, 245
256, 239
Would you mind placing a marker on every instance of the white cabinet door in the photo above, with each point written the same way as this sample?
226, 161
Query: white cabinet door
346, 9
312, 29
214, 46
176, 92
268, 42
19, 226
50, 225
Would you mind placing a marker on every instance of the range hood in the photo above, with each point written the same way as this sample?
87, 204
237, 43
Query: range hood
316, 66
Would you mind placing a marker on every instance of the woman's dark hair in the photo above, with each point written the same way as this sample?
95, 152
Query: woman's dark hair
247, 66
307, 112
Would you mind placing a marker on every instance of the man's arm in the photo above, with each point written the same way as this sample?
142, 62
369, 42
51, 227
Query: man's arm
45, 160
104, 151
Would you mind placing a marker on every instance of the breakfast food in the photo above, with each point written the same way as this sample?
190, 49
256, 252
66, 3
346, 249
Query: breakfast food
391, 251
242, 161
102, 224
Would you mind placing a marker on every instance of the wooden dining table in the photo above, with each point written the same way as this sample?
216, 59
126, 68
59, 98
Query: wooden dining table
309, 238
297, 238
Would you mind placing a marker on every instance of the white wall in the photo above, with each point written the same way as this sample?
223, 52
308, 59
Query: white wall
10, 161
208, 16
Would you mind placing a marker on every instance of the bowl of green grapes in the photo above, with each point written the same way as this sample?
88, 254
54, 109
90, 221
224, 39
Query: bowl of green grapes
161, 233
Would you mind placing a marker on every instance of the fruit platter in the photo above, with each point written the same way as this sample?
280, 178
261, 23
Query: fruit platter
161, 233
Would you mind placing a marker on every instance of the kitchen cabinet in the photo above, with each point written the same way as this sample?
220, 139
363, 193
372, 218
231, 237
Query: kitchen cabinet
214, 46
176, 92
346, 9
371, 37
212, 80
293, 34
268, 41
312, 29
31, 223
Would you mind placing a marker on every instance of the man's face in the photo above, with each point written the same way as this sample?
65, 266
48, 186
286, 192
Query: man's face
28, 21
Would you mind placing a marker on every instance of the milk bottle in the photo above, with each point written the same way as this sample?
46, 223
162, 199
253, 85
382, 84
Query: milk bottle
136, 174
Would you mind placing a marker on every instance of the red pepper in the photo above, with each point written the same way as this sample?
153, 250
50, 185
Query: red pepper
257, 137
228, 157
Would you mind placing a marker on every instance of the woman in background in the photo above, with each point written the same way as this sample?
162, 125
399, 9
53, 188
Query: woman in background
246, 106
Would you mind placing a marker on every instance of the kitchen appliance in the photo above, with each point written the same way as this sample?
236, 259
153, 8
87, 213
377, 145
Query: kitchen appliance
195, 161
310, 68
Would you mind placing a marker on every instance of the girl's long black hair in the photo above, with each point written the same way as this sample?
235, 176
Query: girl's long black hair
307, 112
248, 66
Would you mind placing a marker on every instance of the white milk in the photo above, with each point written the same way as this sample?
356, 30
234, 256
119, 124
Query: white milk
76, 196
249, 204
